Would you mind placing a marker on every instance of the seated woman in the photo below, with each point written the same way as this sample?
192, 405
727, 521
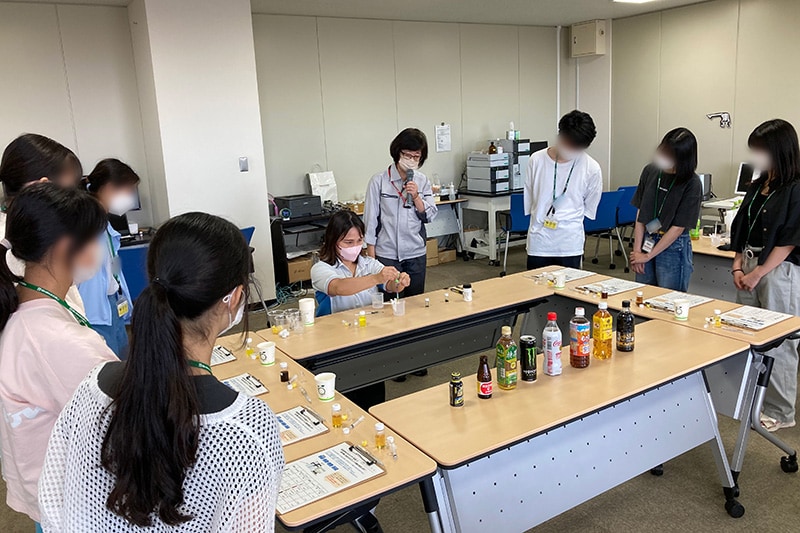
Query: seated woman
350, 278
157, 441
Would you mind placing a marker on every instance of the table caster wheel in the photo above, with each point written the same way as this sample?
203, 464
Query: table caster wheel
612, 266
789, 463
494, 263
618, 253
658, 470
595, 261
734, 508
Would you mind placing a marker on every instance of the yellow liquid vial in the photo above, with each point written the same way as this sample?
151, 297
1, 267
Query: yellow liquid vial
336, 420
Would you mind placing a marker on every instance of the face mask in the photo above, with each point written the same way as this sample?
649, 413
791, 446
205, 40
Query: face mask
81, 273
233, 320
663, 162
121, 204
761, 160
568, 154
408, 163
350, 253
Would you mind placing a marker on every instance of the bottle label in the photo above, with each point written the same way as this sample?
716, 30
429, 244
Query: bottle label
625, 340
552, 354
603, 329
456, 394
485, 388
506, 365
579, 340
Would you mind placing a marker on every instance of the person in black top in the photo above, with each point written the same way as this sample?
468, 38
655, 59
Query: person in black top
668, 198
765, 235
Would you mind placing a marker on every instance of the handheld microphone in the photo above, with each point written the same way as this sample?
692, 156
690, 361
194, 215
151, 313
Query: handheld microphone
409, 203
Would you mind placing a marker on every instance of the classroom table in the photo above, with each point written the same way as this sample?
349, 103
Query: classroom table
712, 271
391, 346
524, 456
411, 467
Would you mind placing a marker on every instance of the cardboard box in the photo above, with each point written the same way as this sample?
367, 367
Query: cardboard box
300, 269
446, 256
432, 252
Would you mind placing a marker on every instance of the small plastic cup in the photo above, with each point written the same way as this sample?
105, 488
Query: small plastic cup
398, 307
307, 306
133, 228
277, 320
377, 300
681, 309
326, 386
266, 353
294, 321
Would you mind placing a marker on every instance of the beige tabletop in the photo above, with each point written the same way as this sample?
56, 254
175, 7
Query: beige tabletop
703, 246
449, 202
411, 465
452, 436
329, 333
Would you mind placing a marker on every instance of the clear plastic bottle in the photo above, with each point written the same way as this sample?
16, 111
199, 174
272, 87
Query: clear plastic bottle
580, 331
506, 360
626, 326
551, 342
602, 332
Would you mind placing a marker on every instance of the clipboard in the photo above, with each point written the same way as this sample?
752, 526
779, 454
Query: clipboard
299, 423
221, 355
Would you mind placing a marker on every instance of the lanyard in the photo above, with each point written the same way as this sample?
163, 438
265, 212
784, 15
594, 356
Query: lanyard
566, 184
113, 256
79, 317
657, 214
749, 216
399, 192
200, 365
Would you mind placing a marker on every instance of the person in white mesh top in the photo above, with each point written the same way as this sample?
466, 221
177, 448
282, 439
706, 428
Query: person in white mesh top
156, 441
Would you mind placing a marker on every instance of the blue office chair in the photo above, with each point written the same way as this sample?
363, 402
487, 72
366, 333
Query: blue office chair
248, 233
515, 221
323, 304
134, 266
605, 225
626, 215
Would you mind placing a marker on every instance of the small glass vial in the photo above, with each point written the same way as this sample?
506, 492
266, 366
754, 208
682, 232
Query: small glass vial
468, 292
380, 436
336, 415
427, 302
284, 372
446, 297
717, 318
639, 298
249, 349
362, 319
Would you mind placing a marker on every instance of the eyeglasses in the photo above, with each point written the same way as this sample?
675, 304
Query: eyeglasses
409, 155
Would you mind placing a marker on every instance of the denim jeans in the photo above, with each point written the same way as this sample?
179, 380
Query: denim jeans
115, 335
672, 268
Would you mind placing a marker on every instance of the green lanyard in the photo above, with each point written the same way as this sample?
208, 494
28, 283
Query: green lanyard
200, 365
566, 184
79, 317
749, 216
657, 214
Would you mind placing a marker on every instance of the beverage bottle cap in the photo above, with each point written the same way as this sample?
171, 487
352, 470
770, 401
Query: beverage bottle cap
506, 330
626, 303
717, 312
379, 426
639, 293
468, 285
249, 341
389, 439
455, 375
284, 365
336, 408
602, 305
552, 316
346, 430
579, 311
362, 313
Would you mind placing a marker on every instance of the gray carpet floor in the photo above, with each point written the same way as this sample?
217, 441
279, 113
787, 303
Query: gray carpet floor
687, 498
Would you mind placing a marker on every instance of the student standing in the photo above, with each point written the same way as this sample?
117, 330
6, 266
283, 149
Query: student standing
29, 159
106, 297
668, 199
562, 186
399, 202
765, 235
157, 441
46, 345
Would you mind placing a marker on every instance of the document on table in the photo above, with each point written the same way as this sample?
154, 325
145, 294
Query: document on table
667, 301
246, 384
612, 286
221, 355
299, 423
570, 274
753, 317
324, 473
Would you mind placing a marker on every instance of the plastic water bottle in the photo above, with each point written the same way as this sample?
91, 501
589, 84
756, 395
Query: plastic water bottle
551, 342
580, 330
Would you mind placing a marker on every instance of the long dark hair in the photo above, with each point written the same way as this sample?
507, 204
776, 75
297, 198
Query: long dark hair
194, 260
339, 224
110, 171
779, 138
31, 157
681, 144
38, 218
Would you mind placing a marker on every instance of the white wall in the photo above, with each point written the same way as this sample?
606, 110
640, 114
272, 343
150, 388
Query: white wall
334, 92
68, 73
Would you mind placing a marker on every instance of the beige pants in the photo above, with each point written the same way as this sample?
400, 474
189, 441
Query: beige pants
778, 291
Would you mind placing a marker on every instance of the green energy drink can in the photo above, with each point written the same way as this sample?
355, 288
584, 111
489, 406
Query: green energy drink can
527, 351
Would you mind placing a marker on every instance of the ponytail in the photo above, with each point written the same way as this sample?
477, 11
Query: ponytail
9, 301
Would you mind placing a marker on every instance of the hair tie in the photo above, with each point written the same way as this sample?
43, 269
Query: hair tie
161, 282
5, 244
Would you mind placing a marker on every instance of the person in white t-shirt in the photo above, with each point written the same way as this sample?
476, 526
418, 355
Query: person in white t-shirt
562, 186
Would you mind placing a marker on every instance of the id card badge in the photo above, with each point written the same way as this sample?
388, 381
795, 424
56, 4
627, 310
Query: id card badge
653, 226
550, 222
647, 245
122, 306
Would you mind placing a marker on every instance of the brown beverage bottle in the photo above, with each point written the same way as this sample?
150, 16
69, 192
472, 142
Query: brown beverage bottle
485, 383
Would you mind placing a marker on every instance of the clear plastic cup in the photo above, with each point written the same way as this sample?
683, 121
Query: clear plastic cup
377, 300
293, 320
277, 320
398, 307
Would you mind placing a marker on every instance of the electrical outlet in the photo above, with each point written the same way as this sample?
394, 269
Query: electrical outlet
244, 165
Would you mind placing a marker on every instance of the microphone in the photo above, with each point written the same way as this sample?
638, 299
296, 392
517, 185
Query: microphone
409, 203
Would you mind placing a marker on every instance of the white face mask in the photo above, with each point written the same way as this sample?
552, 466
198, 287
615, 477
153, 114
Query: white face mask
663, 162
761, 160
567, 154
85, 272
408, 163
233, 320
121, 204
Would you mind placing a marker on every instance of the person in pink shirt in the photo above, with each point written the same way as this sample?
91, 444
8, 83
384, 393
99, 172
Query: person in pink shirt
46, 346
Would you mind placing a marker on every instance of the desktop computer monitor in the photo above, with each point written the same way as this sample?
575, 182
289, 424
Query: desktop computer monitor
746, 176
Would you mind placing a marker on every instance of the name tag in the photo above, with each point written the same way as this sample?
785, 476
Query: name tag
550, 223
122, 306
647, 245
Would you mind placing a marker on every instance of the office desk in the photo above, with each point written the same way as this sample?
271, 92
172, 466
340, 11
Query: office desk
524, 456
411, 467
712, 271
391, 346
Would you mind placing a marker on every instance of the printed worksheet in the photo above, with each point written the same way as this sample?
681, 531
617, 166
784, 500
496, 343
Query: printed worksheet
324, 473
299, 423
612, 286
246, 384
753, 317
667, 301
570, 274
221, 355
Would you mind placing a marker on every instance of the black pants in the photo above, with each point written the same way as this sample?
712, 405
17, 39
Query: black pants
415, 268
537, 261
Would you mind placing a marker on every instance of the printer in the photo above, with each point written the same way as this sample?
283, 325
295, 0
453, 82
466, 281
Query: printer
488, 173
299, 205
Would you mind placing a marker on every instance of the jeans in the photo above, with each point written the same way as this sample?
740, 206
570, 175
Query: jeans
538, 261
415, 268
778, 291
115, 335
672, 268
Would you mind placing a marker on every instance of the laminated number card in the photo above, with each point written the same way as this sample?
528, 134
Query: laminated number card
753, 317
299, 423
246, 384
221, 355
667, 301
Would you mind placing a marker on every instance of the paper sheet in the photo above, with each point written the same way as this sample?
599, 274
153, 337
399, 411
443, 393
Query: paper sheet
612, 286
753, 317
299, 423
246, 384
572, 274
221, 355
443, 138
324, 473
667, 301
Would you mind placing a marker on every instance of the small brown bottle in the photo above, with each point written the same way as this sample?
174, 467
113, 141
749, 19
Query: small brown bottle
485, 383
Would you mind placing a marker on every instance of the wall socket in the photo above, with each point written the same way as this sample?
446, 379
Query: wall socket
244, 165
